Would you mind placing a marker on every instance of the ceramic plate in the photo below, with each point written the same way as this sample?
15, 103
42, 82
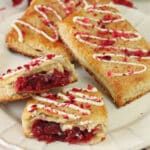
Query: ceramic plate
128, 126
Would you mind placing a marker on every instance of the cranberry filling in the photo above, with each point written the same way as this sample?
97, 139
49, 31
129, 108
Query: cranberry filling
41, 81
50, 131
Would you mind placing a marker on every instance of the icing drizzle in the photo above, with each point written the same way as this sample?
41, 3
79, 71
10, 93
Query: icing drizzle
73, 100
54, 111
103, 43
68, 105
40, 9
34, 63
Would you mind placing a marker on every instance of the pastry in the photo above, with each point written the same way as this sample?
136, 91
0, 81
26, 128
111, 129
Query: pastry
75, 116
110, 49
37, 35
39, 75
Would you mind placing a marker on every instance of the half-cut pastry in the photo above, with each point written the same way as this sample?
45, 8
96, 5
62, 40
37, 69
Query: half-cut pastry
110, 49
35, 33
38, 76
75, 116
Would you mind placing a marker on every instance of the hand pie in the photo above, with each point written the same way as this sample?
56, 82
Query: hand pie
75, 116
38, 76
110, 49
35, 33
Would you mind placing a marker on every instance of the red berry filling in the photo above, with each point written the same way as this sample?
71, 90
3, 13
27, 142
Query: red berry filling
41, 81
50, 131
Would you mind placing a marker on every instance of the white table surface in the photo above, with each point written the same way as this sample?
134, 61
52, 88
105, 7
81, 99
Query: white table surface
143, 5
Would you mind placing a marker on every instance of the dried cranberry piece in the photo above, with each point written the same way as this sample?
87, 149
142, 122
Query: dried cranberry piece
90, 87
17, 2
124, 2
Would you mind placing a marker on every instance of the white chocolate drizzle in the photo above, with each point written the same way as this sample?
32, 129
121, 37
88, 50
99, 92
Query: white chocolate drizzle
96, 56
124, 35
82, 98
50, 25
54, 111
37, 8
72, 102
34, 63
86, 122
20, 36
36, 30
67, 105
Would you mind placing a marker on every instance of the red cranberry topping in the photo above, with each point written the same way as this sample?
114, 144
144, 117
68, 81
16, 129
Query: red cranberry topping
76, 90
9, 71
88, 106
79, 4
27, 66
51, 96
19, 67
148, 53
109, 17
138, 53
17, 2
100, 34
123, 34
23, 33
41, 81
50, 131
34, 107
42, 9
107, 42
90, 87
71, 98
46, 22
50, 56
68, 10
105, 57
35, 62
66, 1
86, 20
109, 73
124, 2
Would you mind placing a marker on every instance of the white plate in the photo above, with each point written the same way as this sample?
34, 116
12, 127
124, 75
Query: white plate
128, 126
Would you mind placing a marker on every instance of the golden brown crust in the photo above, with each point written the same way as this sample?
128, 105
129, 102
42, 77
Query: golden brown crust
99, 1
123, 89
96, 118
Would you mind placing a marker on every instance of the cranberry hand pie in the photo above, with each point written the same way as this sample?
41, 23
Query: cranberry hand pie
38, 76
110, 49
35, 33
74, 116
